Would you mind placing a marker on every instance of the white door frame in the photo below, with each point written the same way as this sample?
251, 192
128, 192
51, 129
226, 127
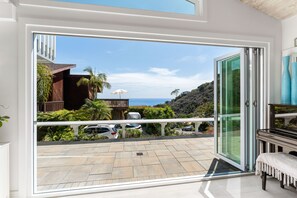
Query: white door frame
243, 117
27, 27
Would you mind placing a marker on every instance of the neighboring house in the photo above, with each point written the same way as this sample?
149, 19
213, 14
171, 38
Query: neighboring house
65, 92
119, 106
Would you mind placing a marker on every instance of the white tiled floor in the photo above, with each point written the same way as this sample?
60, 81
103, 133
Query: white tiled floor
241, 187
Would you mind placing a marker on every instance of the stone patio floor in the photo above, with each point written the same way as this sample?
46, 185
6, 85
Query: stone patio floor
79, 165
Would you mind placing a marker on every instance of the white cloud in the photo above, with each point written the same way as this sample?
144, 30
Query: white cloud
150, 85
163, 71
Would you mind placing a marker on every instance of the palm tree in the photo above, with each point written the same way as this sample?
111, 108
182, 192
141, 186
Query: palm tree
175, 92
97, 109
44, 83
96, 82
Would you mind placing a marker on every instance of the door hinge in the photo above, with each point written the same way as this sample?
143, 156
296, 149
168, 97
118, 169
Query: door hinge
247, 167
246, 51
255, 103
247, 103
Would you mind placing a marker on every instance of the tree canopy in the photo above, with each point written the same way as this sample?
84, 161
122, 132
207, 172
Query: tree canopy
97, 110
44, 83
175, 92
96, 82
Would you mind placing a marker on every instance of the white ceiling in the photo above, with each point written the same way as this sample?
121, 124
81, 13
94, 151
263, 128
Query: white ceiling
279, 9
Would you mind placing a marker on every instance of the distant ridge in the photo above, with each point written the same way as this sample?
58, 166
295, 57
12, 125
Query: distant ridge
187, 102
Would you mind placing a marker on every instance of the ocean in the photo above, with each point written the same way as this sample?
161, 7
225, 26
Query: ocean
147, 101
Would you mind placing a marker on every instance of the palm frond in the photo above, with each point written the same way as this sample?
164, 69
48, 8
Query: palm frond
89, 70
83, 81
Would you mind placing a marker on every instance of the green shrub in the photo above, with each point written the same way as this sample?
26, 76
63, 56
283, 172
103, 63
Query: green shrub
139, 109
171, 132
44, 83
130, 133
59, 134
96, 110
203, 126
62, 115
90, 137
157, 113
205, 110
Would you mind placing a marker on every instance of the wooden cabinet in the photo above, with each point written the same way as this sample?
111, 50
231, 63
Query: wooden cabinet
4, 170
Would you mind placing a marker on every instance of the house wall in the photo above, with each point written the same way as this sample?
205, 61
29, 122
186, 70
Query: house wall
74, 96
229, 18
58, 87
289, 32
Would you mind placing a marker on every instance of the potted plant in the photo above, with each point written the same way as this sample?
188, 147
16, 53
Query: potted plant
3, 119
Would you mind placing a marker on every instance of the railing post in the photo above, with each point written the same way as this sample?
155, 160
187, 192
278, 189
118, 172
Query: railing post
197, 124
75, 129
123, 130
163, 129
287, 120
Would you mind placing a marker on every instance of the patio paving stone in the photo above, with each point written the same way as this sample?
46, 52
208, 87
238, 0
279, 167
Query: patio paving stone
192, 166
146, 171
78, 174
185, 159
181, 154
101, 163
167, 159
163, 153
100, 160
101, 168
173, 168
122, 172
93, 177
150, 160
127, 162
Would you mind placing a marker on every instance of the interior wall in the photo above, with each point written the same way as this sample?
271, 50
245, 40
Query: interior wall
289, 32
228, 17
223, 17
9, 94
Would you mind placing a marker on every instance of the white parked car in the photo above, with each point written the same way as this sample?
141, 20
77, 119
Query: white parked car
104, 130
134, 116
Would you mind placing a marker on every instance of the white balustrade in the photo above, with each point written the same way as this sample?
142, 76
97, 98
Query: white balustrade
163, 122
163, 125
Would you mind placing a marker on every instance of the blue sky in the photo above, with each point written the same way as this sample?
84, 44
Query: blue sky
178, 6
144, 69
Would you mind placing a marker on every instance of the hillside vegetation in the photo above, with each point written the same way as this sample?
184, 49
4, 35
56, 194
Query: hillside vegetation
188, 104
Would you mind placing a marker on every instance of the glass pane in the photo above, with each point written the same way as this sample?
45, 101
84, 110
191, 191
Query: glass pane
229, 108
173, 6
